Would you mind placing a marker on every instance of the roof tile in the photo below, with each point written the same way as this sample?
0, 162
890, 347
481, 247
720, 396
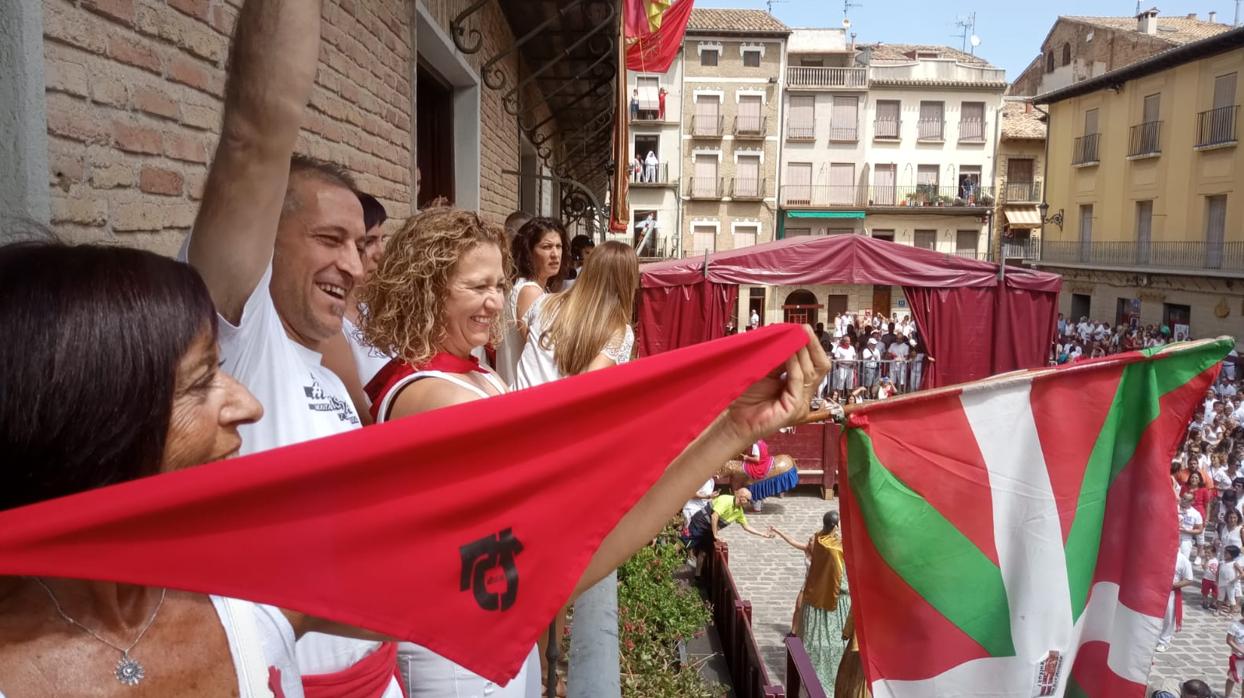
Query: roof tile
734, 21
1173, 30
904, 52
1021, 122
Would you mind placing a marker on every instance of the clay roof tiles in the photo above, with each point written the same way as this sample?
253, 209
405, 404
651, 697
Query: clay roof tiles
709, 20
1174, 30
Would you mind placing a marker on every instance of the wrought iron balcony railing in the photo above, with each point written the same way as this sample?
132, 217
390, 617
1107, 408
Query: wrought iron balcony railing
918, 196
1084, 149
1216, 126
1191, 255
750, 126
747, 188
705, 187
1145, 139
1017, 192
706, 126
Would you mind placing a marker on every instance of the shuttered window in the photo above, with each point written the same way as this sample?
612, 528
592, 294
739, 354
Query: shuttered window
844, 120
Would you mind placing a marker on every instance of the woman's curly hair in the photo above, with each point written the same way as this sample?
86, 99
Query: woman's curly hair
524, 245
403, 304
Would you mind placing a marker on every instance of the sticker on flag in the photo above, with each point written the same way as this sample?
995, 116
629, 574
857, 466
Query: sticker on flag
994, 526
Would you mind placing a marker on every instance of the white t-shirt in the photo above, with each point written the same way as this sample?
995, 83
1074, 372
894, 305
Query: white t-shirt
537, 364
302, 400
700, 503
367, 359
841, 353
260, 640
1236, 631
1183, 570
511, 347
1189, 519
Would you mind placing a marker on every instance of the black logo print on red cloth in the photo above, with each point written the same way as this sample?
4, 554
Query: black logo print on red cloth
489, 570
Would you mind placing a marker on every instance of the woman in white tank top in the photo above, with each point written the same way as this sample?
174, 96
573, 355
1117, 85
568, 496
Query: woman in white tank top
541, 260
587, 327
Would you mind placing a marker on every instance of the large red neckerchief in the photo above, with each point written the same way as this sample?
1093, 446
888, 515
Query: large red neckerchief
461, 529
397, 370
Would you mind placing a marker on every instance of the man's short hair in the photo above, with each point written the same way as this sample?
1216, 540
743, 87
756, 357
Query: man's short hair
307, 166
373, 211
514, 221
1196, 688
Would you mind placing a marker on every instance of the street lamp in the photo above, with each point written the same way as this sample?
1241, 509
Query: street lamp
1056, 219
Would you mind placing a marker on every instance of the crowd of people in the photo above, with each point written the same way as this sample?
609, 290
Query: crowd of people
286, 318
1091, 339
1209, 487
872, 357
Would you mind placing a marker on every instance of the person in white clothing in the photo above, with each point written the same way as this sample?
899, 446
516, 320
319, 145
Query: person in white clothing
1191, 525
277, 241
844, 366
650, 167
438, 294
541, 257
869, 361
900, 350
1235, 658
753, 321
1183, 578
587, 327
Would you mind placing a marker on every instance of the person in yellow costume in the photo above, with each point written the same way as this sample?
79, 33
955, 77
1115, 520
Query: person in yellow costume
823, 606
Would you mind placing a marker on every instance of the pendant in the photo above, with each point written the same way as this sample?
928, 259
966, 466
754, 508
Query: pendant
129, 672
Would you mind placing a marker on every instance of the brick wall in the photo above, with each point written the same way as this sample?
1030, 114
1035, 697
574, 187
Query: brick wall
1108, 49
134, 99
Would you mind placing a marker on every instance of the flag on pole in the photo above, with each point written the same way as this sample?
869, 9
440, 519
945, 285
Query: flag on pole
1017, 537
464, 529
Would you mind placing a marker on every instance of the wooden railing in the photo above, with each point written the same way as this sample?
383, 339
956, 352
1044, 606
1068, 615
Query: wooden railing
801, 678
732, 616
817, 77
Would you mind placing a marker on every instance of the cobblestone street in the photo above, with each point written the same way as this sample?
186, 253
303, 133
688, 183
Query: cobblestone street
769, 573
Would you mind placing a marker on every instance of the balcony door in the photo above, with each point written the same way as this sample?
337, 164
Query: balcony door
704, 182
750, 109
842, 183
747, 176
885, 179
707, 111
1086, 233
799, 189
1019, 179
1144, 230
1215, 230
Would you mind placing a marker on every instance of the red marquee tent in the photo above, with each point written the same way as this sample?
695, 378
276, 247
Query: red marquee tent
973, 323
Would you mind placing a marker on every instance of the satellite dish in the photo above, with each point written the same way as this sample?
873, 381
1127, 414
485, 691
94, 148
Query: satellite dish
846, 23
975, 40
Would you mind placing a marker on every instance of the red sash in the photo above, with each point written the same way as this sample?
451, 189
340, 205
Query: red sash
1179, 610
396, 370
367, 678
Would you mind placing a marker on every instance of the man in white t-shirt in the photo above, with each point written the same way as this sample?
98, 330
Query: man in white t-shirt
277, 242
1183, 578
900, 349
1190, 526
844, 365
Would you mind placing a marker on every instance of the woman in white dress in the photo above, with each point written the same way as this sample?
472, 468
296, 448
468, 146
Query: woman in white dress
438, 294
541, 255
587, 327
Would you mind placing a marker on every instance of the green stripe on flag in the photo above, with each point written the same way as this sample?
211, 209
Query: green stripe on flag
1133, 409
928, 552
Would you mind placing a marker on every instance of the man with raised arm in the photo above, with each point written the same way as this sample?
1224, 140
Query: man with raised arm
277, 242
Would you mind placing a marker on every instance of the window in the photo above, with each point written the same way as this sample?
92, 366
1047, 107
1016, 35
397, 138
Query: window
649, 95
972, 122
1144, 230
929, 126
807, 62
1019, 180
1217, 126
645, 171
1049, 62
842, 124
1144, 137
1066, 54
751, 58
756, 304
798, 189
645, 233
926, 239
707, 119
842, 183
887, 124
745, 235
704, 183
840, 231
1085, 146
1215, 230
969, 184
703, 239
1127, 312
966, 242
926, 185
1178, 318
1080, 305
887, 235
708, 57
1086, 233
802, 120
798, 232
749, 120
747, 176
884, 191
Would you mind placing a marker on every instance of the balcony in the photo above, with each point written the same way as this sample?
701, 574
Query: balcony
922, 196
805, 132
747, 188
656, 176
704, 188
1021, 192
649, 110
706, 126
1084, 149
750, 127
972, 131
1027, 250
813, 78
1216, 127
1145, 140
887, 129
844, 134
930, 130
1194, 256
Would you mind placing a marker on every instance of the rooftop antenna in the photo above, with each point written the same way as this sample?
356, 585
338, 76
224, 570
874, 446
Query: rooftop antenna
770, 3
847, 5
967, 33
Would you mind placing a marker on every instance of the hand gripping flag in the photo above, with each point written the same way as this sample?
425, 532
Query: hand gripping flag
1017, 536
464, 529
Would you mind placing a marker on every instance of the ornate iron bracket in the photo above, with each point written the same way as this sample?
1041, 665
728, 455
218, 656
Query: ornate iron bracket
496, 78
460, 33
510, 99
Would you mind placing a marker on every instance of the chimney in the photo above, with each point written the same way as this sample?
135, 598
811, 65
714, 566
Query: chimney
1027, 107
1147, 21
1213, 16
1191, 15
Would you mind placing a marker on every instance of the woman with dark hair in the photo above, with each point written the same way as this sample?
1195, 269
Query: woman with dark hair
823, 605
581, 246
541, 257
117, 377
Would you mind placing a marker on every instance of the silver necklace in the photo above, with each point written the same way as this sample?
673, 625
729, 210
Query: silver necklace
128, 671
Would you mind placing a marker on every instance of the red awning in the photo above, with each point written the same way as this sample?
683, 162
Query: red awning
842, 259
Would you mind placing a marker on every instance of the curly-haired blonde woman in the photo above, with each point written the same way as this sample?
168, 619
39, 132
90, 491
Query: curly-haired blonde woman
436, 296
